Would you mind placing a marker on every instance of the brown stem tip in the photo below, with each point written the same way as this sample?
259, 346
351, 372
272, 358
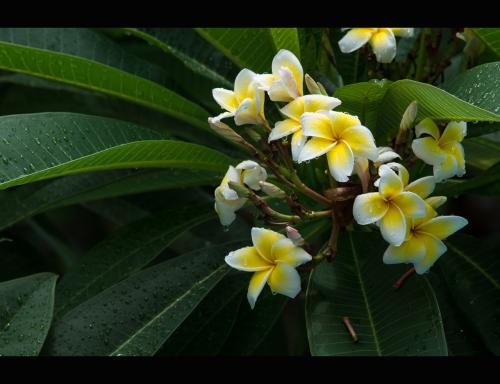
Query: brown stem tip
349, 327
403, 277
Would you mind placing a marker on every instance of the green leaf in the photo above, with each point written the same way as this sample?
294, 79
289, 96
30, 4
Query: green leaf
472, 273
479, 86
117, 211
358, 285
26, 314
21, 203
252, 326
137, 315
252, 48
480, 152
363, 100
101, 78
490, 37
46, 145
125, 252
432, 102
207, 328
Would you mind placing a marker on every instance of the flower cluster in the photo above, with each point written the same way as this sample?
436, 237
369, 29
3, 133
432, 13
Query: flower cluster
404, 211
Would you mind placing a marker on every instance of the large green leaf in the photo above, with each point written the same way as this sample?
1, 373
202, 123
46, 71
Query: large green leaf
99, 77
472, 273
363, 100
490, 37
26, 314
432, 102
358, 285
479, 86
481, 153
252, 48
124, 253
137, 315
21, 203
207, 328
40, 146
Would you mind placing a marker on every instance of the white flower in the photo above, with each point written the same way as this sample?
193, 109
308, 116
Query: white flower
382, 40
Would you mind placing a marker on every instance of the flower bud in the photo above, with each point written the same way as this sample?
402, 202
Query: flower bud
271, 190
240, 190
225, 131
407, 122
294, 235
312, 86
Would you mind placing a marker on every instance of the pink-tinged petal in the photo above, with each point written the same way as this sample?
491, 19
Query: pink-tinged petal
369, 208
340, 161
287, 59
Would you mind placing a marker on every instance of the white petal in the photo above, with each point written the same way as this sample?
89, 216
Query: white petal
361, 141
247, 259
257, 283
284, 279
225, 98
284, 128
403, 32
393, 226
286, 251
246, 113
297, 144
243, 84
354, 39
341, 161
285, 58
446, 169
316, 125
384, 45
369, 208
314, 103
263, 239
315, 147
427, 126
427, 149
422, 187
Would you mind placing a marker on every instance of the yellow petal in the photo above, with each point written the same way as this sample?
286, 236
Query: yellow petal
430, 212
315, 148
369, 208
355, 39
298, 142
264, 239
294, 109
427, 126
410, 204
246, 113
403, 32
226, 99
286, 251
443, 226
422, 187
458, 151
285, 58
410, 251
445, 169
340, 161
390, 183
428, 150
434, 248
284, 279
247, 259
361, 141
393, 226
436, 201
265, 80
342, 121
313, 103
384, 45
454, 131
316, 125
243, 84
284, 128
401, 171
257, 283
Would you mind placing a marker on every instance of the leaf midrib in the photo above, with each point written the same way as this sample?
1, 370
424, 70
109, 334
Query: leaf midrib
365, 297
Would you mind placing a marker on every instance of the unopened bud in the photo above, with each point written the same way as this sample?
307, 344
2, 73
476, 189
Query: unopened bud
322, 89
254, 135
225, 131
240, 190
271, 189
294, 235
312, 86
436, 201
407, 122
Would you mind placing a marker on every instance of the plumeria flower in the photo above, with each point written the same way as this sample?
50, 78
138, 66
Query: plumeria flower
245, 103
292, 125
382, 41
389, 207
286, 81
273, 259
424, 245
227, 201
338, 135
443, 151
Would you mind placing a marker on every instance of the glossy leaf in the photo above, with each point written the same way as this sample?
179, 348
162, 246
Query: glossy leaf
58, 144
490, 37
26, 314
124, 253
137, 315
358, 285
99, 77
472, 273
